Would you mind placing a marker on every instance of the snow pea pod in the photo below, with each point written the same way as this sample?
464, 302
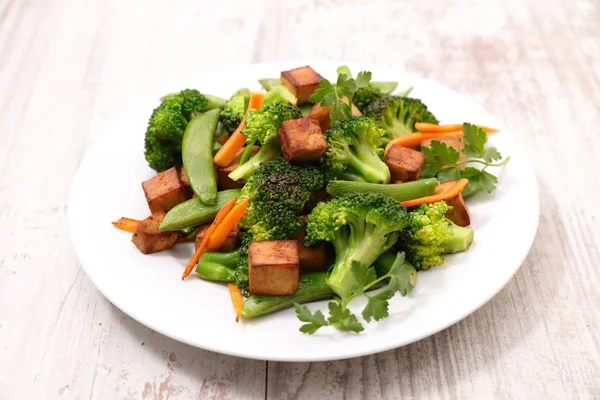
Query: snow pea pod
194, 212
197, 154
399, 191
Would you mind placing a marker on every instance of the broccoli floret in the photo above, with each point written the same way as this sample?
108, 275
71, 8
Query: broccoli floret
167, 125
240, 277
262, 127
233, 111
276, 195
361, 226
365, 96
277, 192
192, 102
430, 234
397, 115
352, 152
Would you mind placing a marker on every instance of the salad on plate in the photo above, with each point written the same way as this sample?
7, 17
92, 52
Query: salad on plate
311, 189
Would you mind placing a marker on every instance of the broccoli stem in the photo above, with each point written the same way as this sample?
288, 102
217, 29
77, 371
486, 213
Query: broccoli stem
268, 152
368, 173
247, 153
460, 240
219, 267
364, 244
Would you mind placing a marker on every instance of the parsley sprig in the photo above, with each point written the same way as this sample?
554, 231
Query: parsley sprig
332, 94
441, 160
402, 277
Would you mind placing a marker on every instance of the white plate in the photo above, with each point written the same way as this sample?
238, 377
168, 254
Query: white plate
149, 287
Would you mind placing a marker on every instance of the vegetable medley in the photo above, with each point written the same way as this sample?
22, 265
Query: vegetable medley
310, 190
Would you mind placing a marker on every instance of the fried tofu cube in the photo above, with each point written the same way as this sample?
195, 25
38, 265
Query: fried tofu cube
230, 242
302, 82
149, 239
311, 259
321, 114
273, 267
457, 142
164, 191
225, 182
302, 140
405, 164
459, 214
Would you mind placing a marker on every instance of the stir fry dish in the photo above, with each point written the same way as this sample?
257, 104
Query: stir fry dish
311, 189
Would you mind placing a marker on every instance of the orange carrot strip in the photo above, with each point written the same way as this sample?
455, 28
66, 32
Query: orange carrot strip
414, 139
126, 224
236, 141
236, 300
450, 192
217, 221
426, 127
219, 235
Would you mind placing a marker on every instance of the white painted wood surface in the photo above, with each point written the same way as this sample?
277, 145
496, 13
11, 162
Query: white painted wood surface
68, 68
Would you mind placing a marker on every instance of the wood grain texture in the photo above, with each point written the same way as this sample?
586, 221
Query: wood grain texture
69, 67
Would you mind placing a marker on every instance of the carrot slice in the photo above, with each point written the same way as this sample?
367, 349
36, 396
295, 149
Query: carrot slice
236, 141
126, 224
236, 299
219, 235
426, 127
217, 221
413, 140
449, 190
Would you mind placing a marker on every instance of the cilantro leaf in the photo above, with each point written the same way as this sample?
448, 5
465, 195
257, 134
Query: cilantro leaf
478, 180
377, 307
328, 100
437, 156
448, 174
403, 275
491, 154
330, 95
315, 321
475, 139
343, 319
363, 79
363, 275
318, 94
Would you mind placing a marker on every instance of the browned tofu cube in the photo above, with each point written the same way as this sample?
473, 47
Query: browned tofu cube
311, 259
321, 114
301, 140
230, 242
273, 267
149, 239
405, 164
164, 191
459, 214
302, 82
225, 182
457, 142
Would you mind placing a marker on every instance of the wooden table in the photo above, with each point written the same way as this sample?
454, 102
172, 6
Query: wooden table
68, 68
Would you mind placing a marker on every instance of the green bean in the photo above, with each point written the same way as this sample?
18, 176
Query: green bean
399, 191
194, 212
